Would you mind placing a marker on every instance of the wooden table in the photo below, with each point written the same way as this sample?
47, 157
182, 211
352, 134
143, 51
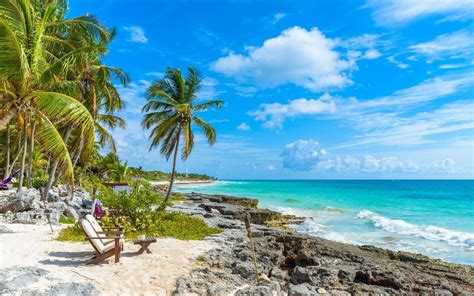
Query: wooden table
144, 244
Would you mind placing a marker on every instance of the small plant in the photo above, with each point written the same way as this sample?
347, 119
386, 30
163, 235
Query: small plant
66, 220
39, 182
201, 259
72, 234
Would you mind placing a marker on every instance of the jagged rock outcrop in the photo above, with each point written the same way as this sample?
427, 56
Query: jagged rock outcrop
27, 206
295, 264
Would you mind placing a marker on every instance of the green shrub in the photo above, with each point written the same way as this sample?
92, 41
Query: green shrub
66, 220
139, 214
39, 182
72, 234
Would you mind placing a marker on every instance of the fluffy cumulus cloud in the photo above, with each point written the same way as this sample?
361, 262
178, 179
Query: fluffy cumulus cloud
274, 114
310, 155
302, 57
303, 154
392, 12
136, 34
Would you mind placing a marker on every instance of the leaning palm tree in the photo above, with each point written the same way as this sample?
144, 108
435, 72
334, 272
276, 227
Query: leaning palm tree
170, 114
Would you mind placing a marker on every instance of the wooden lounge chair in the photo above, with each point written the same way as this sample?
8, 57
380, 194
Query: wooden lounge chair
104, 251
103, 233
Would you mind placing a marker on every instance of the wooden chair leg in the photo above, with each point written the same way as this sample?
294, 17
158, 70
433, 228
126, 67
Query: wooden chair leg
117, 250
101, 257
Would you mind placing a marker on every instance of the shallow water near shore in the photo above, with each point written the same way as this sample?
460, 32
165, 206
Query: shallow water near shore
435, 218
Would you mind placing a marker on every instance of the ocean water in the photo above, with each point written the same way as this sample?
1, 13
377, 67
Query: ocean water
435, 218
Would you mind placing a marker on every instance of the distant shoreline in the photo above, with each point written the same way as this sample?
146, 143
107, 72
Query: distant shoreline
180, 182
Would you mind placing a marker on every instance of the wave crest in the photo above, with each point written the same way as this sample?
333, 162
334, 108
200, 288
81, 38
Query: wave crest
429, 232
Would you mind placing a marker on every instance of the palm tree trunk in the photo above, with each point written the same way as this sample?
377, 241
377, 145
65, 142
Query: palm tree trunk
54, 166
7, 156
173, 172
23, 158
51, 178
29, 172
18, 153
48, 164
78, 152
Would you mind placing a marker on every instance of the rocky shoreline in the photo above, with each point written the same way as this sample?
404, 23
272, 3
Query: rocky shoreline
294, 264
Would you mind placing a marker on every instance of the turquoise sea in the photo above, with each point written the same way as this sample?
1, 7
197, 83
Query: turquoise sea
435, 218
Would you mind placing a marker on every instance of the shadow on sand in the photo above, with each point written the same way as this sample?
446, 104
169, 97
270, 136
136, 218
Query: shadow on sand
75, 258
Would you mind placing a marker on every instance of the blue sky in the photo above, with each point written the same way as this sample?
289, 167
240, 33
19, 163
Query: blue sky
312, 89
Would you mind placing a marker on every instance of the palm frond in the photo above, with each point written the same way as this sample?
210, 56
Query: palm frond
206, 128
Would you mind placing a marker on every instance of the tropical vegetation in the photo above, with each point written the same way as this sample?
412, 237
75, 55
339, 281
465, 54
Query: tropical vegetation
56, 96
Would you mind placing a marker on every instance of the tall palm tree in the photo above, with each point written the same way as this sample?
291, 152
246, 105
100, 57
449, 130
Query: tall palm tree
170, 114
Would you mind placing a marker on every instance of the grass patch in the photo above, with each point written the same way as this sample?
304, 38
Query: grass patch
176, 197
66, 220
71, 234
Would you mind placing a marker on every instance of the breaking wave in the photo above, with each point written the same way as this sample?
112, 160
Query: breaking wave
429, 232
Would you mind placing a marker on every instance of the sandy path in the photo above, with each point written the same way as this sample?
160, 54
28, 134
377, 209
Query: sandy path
146, 274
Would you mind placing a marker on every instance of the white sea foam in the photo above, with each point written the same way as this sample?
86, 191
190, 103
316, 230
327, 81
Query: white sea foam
313, 227
429, 232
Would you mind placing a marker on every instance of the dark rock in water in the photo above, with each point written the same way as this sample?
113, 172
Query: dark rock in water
235, 208
250, 203
304, 265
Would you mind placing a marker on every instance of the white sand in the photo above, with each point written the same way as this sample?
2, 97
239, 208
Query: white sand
145, 274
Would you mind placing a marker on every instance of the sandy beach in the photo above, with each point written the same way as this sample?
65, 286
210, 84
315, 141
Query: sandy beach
32, 262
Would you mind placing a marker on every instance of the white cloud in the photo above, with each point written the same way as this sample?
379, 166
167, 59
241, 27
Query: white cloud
273, 115
309, 155
428, 90
401, 130
209, 90
243, 127
136, 34
458, 44
367, 43
303, 154
372, 54
133, 96
392, 12
452, 66
304, 58
391, 59
278, 16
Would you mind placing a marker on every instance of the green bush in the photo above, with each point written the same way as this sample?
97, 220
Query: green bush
66, 220
139, 214
39, 182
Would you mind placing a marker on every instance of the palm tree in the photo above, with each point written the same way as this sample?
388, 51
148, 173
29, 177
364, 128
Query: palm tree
38, 48
170, 114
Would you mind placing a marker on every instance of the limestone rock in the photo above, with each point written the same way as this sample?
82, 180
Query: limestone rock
58, 206
72, 213
10, 200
